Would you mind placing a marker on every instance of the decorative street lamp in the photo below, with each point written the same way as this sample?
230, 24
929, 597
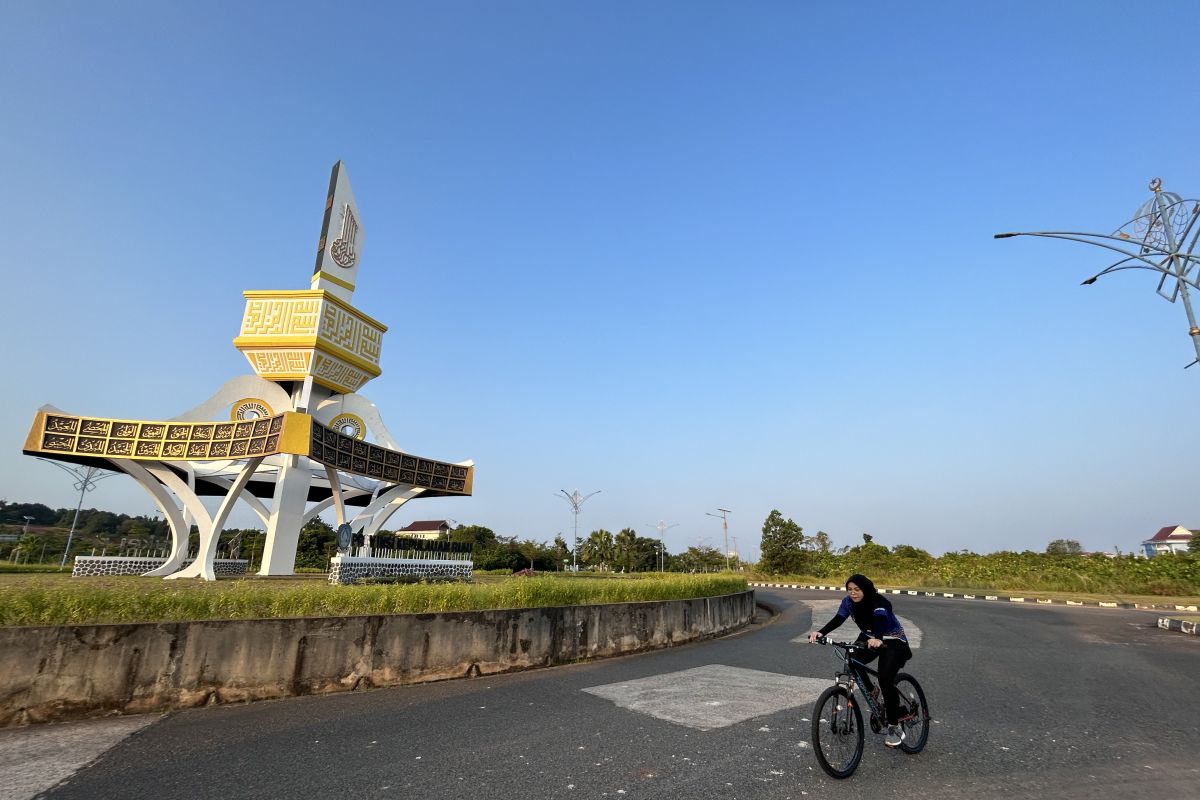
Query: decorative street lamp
1161, 238
86, 479
576, 500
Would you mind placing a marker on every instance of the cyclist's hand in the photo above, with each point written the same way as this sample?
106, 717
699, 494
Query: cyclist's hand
874, 643
812, 637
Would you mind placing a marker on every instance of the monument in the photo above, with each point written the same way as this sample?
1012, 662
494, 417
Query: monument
290, 441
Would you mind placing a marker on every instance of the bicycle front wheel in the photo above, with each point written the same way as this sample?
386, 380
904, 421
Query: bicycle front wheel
837, 732
914, 713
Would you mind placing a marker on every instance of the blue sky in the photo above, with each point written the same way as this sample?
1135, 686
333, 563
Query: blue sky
691, 254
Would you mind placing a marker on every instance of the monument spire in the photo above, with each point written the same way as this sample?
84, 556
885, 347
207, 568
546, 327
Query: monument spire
340, 248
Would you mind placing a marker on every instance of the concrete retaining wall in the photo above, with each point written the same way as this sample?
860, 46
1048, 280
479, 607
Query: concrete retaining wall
49, 673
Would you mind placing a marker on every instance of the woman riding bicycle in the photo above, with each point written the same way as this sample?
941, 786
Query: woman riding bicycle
885, 639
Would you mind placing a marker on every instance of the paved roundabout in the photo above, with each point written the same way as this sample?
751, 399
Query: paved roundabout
1028, 701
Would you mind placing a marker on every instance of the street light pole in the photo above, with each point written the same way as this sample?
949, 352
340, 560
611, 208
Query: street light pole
1160, 238
662, 528
724, 516
576, 500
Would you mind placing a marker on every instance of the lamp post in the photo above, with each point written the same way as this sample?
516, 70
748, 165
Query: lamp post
724, 516
27, 521
86, 479
576, 500
662, 528
1160, 238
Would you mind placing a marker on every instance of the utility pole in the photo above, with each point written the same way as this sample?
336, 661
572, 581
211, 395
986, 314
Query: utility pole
724, 517
576, 501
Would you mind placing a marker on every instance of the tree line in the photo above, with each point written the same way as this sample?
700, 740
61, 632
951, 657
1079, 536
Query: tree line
788, 551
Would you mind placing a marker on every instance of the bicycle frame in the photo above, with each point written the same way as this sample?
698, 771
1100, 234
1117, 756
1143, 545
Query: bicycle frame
852, 678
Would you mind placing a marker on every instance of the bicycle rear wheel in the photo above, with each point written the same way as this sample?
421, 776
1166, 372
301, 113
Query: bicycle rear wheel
914, 713
837, 732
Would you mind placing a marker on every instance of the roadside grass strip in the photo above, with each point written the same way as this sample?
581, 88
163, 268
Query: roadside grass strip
997, 597
135, 599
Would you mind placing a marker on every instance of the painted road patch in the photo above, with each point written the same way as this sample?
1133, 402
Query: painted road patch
39, 756
712, 696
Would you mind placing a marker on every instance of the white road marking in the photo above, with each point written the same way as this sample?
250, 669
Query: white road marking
39, 757
823, 611
712, 696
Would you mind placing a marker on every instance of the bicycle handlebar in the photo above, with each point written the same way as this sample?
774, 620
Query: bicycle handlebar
825, 640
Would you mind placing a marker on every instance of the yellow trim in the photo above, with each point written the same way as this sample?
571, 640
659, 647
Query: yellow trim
312, 294
362, 426
332, 279
296, 436
323, 346
337, 387
233, 409
34, 440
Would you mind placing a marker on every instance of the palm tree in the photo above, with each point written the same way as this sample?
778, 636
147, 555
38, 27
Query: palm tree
597, 549
624, 544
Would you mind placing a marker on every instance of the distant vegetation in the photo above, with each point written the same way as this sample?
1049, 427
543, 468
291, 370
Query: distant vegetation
43, 540
786, 550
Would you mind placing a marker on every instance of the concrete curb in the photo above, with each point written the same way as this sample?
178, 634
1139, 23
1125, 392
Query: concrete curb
993, 597
1183, 626
50, 672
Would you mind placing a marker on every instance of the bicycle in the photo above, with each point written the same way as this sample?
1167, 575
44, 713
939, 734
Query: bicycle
837, 725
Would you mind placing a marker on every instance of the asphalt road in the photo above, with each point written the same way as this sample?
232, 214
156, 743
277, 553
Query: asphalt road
1028, 701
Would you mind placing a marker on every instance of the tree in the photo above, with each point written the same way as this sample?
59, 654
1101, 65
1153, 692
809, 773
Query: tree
701, 559
597, 549
1064, 547
623, 544
782, 545
316, 544
477, 536
561, 551
914, 553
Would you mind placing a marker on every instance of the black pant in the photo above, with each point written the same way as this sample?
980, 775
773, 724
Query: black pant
892, 655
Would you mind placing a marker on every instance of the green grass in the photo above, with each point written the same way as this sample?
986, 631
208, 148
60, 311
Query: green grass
7, 568
58, 600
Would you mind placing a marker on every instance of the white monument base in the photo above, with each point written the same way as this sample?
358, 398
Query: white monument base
89, 566
348, 569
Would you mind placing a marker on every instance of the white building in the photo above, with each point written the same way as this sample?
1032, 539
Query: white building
427, 529
1171, 539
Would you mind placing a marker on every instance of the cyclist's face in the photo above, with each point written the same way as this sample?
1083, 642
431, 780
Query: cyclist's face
855, 593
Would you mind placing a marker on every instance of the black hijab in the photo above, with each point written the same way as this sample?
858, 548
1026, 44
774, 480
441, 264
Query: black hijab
864, 610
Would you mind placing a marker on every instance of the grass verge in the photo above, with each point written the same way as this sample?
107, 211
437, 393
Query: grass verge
54, 600
1031, 594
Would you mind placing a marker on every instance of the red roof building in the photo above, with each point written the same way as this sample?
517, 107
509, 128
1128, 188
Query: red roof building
427, 529
1171, 539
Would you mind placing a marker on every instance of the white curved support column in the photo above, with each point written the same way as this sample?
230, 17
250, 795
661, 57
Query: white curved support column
171, 513
371, 518
327, 503
256, 505
202, 567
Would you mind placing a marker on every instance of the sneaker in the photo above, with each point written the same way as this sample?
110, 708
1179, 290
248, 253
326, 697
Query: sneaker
895, 736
